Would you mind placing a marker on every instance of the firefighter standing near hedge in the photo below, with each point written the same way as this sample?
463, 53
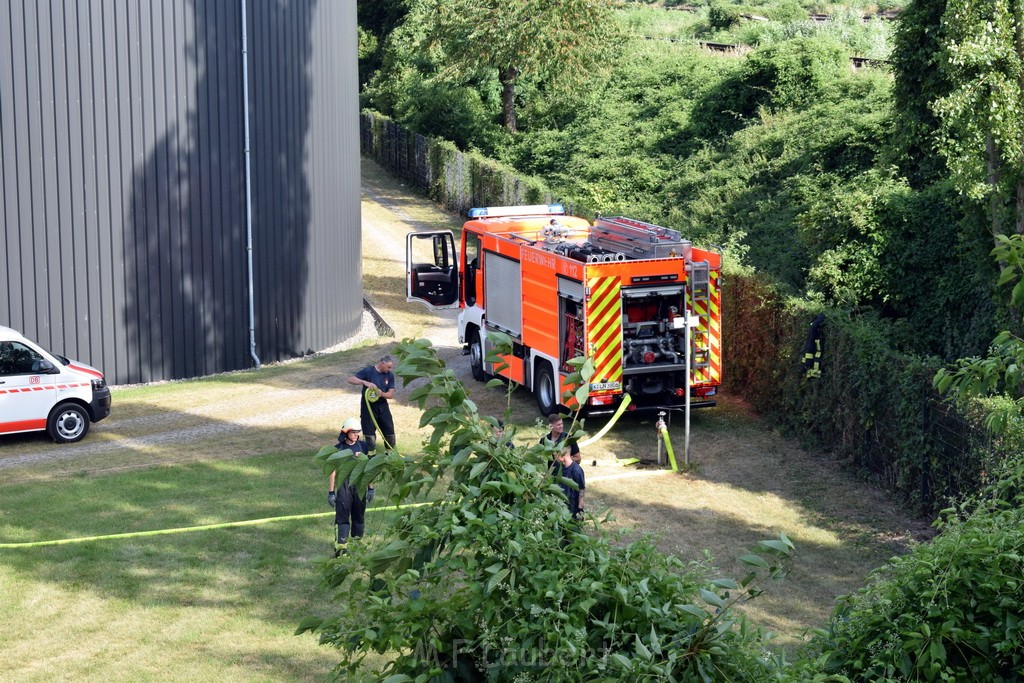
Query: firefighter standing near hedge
812, 347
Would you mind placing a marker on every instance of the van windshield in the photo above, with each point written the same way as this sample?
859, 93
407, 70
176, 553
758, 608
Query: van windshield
62, 359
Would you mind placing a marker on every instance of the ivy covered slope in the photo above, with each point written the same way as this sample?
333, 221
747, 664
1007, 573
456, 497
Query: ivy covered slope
789, 159
817, 176
494, 580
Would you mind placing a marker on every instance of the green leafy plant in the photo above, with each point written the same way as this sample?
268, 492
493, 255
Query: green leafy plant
949, 610
1002, 370
494, 580
723, 16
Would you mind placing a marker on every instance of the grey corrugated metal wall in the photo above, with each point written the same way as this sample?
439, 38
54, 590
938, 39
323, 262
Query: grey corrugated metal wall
123, 187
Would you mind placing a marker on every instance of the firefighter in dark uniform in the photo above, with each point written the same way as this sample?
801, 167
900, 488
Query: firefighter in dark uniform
812, 347
378, 381
349, 508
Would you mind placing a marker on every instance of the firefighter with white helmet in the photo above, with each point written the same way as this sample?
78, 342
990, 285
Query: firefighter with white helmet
349, 508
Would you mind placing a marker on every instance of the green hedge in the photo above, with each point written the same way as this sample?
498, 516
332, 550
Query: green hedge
457, 180
872, 407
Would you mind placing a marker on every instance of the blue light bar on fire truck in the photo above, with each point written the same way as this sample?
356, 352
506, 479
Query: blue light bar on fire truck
534, 210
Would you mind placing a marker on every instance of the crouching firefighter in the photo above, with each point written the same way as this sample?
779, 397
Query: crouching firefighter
349, 508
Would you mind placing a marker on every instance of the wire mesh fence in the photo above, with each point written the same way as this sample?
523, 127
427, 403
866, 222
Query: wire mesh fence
457, 180
400, 151
960, 454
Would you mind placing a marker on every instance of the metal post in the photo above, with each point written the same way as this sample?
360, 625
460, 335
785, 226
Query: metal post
248, 186
686, 363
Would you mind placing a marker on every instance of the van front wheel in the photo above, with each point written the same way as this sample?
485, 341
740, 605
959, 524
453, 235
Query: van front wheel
68, 423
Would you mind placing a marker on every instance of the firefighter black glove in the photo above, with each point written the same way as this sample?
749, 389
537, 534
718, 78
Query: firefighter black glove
579, 515
331, 498
370, 493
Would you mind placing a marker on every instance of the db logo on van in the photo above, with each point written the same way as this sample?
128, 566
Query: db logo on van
34, 379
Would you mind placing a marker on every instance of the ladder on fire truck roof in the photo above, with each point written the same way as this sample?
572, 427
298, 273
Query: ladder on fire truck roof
698, 278
638, 239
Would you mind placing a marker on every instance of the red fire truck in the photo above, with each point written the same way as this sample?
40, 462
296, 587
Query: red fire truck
621, 292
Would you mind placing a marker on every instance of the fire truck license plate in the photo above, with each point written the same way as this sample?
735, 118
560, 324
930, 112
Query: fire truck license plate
605, 386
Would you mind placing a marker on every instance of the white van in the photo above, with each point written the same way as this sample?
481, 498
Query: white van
40, 390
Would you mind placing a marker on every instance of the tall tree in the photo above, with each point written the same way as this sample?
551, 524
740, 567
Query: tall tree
377, 19
548, 40
981, 131
982, 138
981, 134
919, 80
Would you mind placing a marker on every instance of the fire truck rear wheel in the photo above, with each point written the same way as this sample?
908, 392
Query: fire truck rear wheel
476, 356
544, 389
68, 423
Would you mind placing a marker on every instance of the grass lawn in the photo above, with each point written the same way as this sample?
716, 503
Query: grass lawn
215, 604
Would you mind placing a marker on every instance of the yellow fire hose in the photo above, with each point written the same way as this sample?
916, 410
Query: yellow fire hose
626, 400
668, 446
181, 530
252, 522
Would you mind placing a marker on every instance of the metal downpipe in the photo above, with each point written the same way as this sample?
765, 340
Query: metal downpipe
248, 185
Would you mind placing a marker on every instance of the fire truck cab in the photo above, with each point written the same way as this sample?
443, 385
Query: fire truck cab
624, 293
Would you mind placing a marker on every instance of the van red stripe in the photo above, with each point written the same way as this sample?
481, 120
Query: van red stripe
22, 426
92, 373
46, 387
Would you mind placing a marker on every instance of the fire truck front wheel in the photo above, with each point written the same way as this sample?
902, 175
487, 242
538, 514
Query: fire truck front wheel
476, 356
544, 389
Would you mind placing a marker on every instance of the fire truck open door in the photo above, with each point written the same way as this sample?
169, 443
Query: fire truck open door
432, 269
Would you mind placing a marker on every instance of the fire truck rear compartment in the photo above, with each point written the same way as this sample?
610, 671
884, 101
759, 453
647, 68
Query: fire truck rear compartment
654, 352
650, 341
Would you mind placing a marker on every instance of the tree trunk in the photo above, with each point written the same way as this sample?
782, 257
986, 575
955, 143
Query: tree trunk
508, 96
996, 209
1019, 216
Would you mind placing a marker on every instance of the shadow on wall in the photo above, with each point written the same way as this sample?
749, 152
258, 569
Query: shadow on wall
187, 302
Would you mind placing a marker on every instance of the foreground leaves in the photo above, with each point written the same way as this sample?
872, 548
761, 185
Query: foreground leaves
493, 579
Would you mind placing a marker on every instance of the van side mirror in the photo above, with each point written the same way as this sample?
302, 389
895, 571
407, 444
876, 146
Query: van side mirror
44, 367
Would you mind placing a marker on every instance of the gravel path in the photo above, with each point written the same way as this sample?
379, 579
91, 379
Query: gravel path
310, 400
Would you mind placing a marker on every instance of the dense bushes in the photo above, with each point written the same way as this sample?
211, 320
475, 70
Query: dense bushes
796, 73
617, 146
948, 610
722, 15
